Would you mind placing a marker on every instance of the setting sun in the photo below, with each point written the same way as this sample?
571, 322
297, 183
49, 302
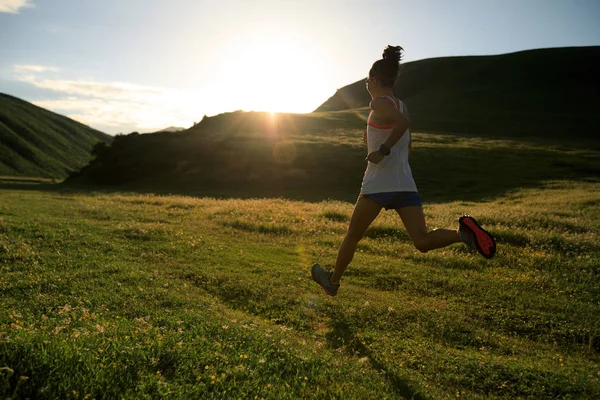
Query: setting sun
276, 74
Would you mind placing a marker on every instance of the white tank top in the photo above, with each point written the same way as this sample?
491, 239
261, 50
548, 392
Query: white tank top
393, 173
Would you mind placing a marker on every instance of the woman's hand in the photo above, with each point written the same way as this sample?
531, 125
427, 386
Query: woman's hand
375, 157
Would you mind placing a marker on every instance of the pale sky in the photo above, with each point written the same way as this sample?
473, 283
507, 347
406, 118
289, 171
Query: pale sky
143, 65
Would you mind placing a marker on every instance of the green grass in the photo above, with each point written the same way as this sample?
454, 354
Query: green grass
25, 179
124, 295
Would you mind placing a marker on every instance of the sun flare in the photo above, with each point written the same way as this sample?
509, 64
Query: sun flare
278, 75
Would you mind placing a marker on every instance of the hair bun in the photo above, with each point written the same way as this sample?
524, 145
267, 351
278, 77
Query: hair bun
393, 53
388, 67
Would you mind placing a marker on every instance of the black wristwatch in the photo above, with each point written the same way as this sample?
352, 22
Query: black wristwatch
383, 149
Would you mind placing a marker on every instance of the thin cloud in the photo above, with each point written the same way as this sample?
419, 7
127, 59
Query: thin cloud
14, 6
116, 90
33, 68
112, 105
113, 113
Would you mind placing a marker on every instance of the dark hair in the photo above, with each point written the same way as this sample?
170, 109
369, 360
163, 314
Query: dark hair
388, 67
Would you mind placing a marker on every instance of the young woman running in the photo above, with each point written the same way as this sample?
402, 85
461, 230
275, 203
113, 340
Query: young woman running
388, 181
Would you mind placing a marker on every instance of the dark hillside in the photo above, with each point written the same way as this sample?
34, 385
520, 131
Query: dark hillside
546, 92
248, 154
37, 142
309, 157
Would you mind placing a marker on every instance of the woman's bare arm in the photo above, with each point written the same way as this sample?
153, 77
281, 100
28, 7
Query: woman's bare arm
385, 110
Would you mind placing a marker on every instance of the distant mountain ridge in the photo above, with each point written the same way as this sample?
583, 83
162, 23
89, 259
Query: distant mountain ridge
536, 92
172, 129
38, 142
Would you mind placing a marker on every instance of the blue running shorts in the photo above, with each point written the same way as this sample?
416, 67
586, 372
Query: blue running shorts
394, 200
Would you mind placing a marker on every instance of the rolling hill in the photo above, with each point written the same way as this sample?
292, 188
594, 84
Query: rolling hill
239, 153
320, 156
545, 92
515, 121
35, 142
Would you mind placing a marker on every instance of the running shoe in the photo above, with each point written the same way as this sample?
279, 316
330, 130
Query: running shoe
322, 276
476, 237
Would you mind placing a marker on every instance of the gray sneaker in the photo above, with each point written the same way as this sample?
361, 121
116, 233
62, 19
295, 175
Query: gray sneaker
322, 276
467, 238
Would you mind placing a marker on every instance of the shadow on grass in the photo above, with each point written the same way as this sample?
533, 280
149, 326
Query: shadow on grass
388, 232
343, 334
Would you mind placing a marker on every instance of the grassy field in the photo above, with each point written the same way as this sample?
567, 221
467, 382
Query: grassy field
121, 294
25, 179
108, 295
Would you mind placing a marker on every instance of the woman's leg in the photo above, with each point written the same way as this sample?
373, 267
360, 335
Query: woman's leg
414, 222
365, 212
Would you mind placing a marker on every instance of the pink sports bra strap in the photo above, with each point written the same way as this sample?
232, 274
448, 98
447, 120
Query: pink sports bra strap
392, 100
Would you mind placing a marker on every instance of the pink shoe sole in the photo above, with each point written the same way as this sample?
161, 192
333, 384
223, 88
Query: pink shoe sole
486, 245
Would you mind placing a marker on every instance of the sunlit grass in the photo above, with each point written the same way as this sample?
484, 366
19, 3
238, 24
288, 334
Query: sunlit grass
127, 295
